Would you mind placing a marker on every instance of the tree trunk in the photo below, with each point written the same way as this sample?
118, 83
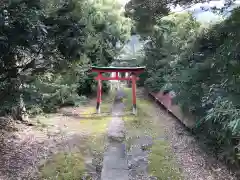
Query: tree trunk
19, 110
22, 108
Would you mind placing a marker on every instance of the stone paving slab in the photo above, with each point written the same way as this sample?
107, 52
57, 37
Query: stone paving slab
116, 129
138, 158
115, 159
114, 174
117, 148
115, 165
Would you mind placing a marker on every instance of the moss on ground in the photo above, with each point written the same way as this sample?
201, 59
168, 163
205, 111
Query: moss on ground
94, 123
64, 166
128, 99
161, 160
71, 165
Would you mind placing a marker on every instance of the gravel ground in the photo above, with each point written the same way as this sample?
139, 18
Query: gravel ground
23, 151
193, 161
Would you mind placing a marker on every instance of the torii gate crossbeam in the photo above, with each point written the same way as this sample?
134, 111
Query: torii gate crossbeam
134, 71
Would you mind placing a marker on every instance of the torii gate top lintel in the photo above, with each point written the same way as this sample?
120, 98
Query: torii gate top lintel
133, 70
117, 69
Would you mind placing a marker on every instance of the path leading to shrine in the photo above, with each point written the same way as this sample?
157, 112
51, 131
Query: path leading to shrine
115, 163
76, 143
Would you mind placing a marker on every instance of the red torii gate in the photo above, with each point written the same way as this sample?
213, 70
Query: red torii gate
134, 71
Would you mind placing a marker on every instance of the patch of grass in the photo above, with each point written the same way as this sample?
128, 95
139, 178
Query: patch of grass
44, 120
96, 143
128, 99
161, 163
71, 165
64, 166
95, 123
145, 123
105, 107
140, 125
109, 97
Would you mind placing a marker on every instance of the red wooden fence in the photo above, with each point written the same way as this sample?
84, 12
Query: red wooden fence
167, 101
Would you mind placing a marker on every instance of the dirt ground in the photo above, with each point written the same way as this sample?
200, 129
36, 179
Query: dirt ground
24, 150
195, 164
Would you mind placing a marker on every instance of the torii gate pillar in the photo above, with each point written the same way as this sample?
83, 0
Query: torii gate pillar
134, 97
133, 70
99, 93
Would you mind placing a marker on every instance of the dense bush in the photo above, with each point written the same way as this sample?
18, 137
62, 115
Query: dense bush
50, 91
201, 64
47, 47
208, 83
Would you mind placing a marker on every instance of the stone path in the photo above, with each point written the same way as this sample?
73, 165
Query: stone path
138, 158
117, 163
115, 166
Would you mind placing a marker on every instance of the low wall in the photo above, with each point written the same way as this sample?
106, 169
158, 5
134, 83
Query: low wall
166, 101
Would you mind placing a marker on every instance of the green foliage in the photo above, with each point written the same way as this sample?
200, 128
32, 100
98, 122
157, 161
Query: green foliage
147, 12
171, 36
87, 85
51, 91
202, 67
47, 48
222, 122
208, 84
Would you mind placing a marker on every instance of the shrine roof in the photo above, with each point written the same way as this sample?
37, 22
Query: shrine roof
117, 69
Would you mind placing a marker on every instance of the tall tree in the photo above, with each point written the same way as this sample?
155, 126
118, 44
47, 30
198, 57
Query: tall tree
170, 39
146, 13
38, 37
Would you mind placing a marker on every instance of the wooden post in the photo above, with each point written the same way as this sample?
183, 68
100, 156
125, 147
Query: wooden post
117, 76
99, 93
134, 100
